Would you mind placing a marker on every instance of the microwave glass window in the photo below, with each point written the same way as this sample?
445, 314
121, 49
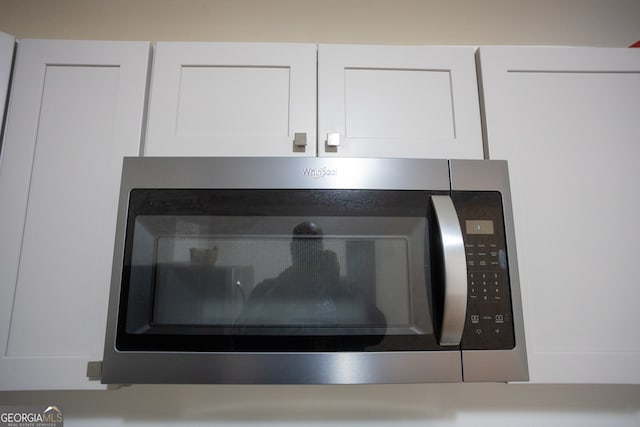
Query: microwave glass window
318, 277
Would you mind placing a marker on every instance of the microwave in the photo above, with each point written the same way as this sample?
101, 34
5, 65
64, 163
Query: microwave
314, 271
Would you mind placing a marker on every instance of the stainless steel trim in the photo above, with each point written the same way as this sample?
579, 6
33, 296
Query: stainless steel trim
495, 365
283, 368
455, 271
284, 173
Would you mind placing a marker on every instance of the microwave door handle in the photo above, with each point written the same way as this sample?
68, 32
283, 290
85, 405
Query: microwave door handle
455, 270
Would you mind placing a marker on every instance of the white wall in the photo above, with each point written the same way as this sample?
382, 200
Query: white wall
468, 22
463, 22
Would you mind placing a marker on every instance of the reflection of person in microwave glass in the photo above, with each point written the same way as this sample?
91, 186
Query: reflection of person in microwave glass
309, 292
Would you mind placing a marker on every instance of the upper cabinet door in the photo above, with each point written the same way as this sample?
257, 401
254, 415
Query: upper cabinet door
7, 44
567, 120
76, 109
398, 101
232, 99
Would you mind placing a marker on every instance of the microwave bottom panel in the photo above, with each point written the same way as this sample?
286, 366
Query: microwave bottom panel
283, 368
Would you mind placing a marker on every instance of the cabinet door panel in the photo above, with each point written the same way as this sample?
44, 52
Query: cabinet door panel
566, 119
232, 99
76, 109
398, 101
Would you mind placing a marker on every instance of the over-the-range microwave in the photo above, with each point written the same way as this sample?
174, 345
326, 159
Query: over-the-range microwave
314, 271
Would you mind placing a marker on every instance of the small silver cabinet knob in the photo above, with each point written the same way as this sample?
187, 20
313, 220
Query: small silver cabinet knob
300, 139
333, 139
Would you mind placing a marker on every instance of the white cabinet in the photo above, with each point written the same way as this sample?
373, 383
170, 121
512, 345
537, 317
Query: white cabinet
76, 109
398, 101
232, 99
567, 120
7, 43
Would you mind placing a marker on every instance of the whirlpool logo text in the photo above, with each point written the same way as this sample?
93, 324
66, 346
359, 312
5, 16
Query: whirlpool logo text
320, 172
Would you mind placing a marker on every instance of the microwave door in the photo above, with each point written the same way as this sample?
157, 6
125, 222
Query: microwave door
282, 270
319, 278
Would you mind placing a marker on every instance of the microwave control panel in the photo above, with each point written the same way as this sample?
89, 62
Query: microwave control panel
489, 321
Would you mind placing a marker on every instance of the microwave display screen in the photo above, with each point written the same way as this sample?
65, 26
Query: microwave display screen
479, 226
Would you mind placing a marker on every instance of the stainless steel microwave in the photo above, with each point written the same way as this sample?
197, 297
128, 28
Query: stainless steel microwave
314, 271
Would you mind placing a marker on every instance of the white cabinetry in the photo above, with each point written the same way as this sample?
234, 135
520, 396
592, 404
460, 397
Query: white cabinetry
76, 109
398, 101
7, 44
232, 99
567, 120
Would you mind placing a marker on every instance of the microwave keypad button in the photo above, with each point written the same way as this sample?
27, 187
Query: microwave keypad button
488, 256
494, 323
489, 324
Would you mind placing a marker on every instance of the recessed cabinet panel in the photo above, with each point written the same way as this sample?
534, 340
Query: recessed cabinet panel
232, 99
566, 119
398, 104
398, 101
76, 109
